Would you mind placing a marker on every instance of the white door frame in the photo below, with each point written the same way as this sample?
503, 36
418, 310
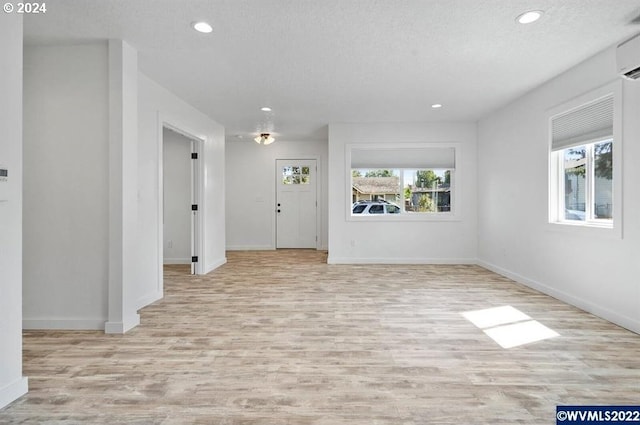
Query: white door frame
196, 197
197, 239
274, 235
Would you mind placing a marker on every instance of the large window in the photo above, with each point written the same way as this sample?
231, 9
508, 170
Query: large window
584, 169
403, 181
406, 190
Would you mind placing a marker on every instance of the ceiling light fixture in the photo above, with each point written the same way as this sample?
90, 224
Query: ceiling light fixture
202, 27
265, 109
264, 139
436, 106
530, 16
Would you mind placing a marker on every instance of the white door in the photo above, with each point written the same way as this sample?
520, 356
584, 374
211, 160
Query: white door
180, 199
296, 203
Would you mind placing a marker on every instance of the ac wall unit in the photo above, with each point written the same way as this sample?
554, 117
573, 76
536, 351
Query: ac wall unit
628, 58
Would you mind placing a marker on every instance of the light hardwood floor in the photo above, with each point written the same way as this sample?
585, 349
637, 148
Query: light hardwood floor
283, 338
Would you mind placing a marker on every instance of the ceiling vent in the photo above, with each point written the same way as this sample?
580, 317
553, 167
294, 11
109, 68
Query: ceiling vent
628, 58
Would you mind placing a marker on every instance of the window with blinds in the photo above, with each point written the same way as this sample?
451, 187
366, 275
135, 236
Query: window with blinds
582, 148
586, 124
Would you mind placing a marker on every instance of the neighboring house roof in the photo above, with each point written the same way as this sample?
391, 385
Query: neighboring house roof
376, 185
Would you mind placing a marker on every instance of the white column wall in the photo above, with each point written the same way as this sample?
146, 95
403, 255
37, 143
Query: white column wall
123, 187
12, 383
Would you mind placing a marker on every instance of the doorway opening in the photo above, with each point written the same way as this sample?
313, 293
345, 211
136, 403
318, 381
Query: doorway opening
181, 221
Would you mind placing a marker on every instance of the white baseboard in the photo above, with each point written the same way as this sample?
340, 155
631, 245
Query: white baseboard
64, 324
149, 299
586, 305
13, 391
250, 248
214, 265
364, 260
122, 327
176, 261
264, 248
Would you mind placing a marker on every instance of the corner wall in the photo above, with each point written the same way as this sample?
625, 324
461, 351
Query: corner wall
12, 383
596, 271
402, 241
67, 182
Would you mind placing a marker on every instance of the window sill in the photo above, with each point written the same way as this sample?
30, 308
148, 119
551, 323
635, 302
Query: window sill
407, 217
586, 228
579, 223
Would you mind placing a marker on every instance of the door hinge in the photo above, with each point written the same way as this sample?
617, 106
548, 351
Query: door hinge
194, 155
194, 259
194, 207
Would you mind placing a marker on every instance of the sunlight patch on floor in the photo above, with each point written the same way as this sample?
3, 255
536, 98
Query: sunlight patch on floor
508, 326
495, 316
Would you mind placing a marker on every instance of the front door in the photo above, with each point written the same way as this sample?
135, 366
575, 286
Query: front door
296, 205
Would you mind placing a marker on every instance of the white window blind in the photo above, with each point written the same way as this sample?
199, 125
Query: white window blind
420, 158
586, 124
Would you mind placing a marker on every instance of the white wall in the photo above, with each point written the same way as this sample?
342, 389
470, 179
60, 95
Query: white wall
70, 166
177, 197
156, 107
402, 241
594, 270
12, 383
66, 186
251, 190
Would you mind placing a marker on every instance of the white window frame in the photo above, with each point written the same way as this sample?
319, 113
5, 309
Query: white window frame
455, 209
556, 206
590, 219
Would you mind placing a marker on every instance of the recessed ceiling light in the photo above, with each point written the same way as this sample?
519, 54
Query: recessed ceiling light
202, 27
265, 109
436, 106
529, 17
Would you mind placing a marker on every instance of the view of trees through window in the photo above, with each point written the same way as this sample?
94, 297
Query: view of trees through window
588, 181
411, 190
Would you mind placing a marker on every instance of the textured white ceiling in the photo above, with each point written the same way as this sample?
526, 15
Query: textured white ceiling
316, 62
